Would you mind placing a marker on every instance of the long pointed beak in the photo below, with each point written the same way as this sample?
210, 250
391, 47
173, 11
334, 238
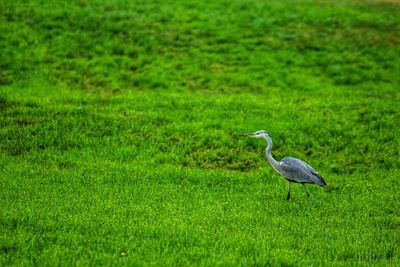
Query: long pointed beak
247, 134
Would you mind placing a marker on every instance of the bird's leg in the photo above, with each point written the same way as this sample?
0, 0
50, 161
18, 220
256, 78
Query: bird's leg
306, 190
288, 194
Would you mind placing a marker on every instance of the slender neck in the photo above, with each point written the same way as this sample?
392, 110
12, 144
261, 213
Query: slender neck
270, 158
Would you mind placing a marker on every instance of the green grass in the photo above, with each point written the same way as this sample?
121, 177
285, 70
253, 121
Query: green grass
120, 125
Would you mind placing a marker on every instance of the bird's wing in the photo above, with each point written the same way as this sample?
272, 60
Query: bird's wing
301, 171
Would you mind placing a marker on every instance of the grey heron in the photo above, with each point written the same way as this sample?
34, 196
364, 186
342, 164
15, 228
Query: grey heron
294, 170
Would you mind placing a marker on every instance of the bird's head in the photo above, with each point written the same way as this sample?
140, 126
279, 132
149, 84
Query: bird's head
258, 134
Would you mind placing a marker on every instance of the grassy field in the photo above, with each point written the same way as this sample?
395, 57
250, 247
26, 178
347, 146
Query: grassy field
120, 125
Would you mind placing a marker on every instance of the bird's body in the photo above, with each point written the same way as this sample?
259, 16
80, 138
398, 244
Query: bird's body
296, 170
292, 169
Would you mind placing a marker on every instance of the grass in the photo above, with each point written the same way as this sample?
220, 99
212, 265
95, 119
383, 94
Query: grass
120, 125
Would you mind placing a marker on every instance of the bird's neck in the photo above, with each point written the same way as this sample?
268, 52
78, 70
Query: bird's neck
268, 153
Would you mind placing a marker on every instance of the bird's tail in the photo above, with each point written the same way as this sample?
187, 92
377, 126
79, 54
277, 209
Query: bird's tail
322, 182
318, 179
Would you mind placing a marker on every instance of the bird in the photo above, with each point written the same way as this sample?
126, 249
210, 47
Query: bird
292, 169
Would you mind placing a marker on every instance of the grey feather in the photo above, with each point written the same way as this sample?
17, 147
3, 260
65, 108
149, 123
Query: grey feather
297, 170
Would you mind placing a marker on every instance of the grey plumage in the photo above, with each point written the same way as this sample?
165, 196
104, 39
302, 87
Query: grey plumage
293, 169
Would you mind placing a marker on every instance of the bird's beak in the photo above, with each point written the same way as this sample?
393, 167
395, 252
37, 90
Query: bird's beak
248, 134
